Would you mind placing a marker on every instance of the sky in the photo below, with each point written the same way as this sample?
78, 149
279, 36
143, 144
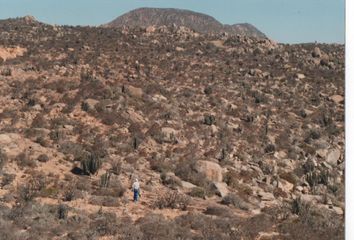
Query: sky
285, 21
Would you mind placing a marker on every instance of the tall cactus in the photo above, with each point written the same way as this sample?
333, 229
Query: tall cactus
312, 178
105, 179
91, 164
3, 159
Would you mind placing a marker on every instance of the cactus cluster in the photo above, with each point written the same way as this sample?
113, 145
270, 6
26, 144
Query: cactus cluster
91, 164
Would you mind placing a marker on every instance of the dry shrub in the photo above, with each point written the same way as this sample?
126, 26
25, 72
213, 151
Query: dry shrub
290, 177
225, 227
6, 72
185, 169
7, 179
116, 189
71, 194
43, 158
116, 167
174, 200
31, 189
254, 225
23, 160
83, 183
278, 192
198, 192
236, 201
232, 179
106, 201
110, 118
218, 210
160, 164
316, 217
155, 226
104, 224
170, 180
39, 121
127, 229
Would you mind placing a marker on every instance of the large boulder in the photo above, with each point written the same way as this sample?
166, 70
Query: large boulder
266, 196
89, 104
133, 91
338, 99
338, 210
285, 186
333, 157
187, 185
166, 135
308, 198
316, 53
211, 170
221, 189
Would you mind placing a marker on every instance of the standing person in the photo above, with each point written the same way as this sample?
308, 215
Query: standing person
136, 190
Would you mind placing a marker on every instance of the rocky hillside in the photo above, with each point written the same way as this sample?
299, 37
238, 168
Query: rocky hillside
231, 137
202, 23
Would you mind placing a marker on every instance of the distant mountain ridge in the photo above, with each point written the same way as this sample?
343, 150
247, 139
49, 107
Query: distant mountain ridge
144, 17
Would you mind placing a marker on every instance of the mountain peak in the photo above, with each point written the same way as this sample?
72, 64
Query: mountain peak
202, 23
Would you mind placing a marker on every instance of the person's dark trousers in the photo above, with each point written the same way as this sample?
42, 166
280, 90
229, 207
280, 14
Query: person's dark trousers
136, 195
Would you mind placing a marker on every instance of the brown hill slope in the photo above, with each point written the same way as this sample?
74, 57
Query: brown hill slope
231, 137
144, 17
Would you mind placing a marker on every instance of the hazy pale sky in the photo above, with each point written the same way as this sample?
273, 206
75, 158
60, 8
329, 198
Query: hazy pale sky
287, 21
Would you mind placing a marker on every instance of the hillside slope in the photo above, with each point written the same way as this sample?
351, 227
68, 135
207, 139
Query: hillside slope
231, 137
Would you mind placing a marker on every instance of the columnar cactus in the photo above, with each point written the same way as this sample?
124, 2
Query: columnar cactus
91, 164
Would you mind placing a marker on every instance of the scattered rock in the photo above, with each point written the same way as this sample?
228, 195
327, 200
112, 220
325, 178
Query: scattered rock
179, 49
255, 72
300, 76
